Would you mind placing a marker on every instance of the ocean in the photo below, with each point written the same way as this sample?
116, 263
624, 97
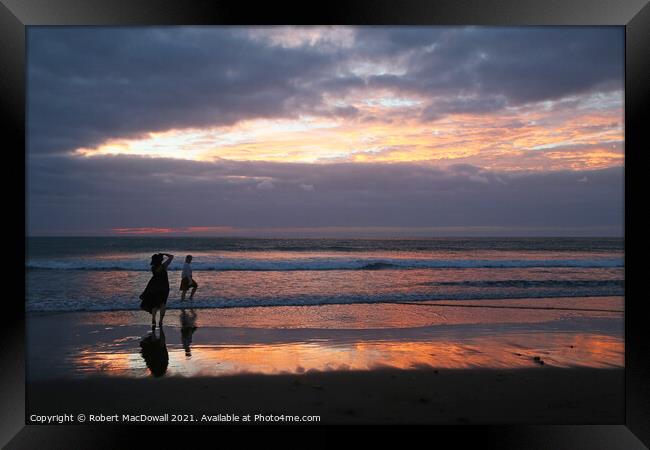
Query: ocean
109, 273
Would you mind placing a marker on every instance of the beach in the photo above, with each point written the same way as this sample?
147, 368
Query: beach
386, 396
379, 225
501, 361
457, 330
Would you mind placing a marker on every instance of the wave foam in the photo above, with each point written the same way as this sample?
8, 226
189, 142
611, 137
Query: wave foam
326, 264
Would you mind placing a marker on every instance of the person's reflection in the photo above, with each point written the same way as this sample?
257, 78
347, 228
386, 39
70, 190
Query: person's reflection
188, 327
154, 352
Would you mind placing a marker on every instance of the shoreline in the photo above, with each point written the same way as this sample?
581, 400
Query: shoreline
177, 304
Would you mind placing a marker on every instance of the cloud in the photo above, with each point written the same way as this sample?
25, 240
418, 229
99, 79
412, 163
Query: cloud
265, 185
440, 108
323, 38
485, 88
524, 64
87, 85
131, 192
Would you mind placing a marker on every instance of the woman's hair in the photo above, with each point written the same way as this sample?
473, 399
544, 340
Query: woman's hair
156, 259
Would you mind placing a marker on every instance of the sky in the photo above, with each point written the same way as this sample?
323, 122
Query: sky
325, 131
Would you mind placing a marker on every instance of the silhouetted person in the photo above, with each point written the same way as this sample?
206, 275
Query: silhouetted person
154, 353
154, 297
188, 327
187, 281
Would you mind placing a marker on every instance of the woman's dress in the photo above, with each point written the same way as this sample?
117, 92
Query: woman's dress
157, 290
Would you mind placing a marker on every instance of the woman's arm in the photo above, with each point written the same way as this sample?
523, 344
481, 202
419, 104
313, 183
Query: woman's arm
169, 259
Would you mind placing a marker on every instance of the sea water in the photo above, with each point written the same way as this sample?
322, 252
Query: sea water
109, 273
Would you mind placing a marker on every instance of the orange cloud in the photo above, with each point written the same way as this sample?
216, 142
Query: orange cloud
158, 230
387, 128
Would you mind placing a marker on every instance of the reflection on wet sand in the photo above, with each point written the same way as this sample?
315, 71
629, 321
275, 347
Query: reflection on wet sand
188, 327
331, 337
154, 353
506, 350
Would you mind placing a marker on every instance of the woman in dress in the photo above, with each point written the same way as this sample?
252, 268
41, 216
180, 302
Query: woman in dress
154, 297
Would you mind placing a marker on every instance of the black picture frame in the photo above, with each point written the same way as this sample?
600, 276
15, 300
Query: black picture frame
634, 15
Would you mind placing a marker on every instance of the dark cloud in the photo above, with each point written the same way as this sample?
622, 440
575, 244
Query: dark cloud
110, 192
463, 105
522, 64
89, 84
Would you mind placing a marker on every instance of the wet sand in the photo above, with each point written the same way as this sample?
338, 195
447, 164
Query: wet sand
384, 363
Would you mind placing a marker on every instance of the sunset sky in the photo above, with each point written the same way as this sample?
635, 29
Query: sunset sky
316, 131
